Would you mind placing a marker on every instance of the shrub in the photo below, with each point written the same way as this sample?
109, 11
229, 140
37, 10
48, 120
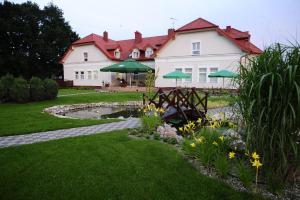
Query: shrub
51, 89
150, 122
269, 99
7, 82
37, 89
245, 174
20, 90
222, 165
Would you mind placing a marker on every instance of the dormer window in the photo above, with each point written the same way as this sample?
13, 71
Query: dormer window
148, 52
85, 56
135, 53
117, 53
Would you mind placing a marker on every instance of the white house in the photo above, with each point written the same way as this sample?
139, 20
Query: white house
199, 48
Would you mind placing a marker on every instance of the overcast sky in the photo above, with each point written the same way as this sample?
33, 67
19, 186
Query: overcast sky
268, 21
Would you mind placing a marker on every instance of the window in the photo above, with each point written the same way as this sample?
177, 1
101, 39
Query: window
148, 52
76, 75
117, 53
213, 80
135, 53
89, 75
196, 48
188, 71
95, 75
82, 75
85, 55
202, 75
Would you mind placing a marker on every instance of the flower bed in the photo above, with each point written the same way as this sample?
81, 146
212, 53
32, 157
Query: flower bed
215, 148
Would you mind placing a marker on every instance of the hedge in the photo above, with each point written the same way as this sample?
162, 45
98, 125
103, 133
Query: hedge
19, 90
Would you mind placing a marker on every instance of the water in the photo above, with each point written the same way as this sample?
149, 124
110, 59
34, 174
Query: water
104, 112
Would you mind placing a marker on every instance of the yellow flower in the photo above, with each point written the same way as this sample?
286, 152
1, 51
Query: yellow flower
181, 129
231, 155
193, 145
200, 139
155, 114
221, 138
161, 110
215, 143
255, 156
256, 163
199, 121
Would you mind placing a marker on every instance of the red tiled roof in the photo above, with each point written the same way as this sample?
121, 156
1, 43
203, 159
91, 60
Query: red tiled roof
239, 38
196, 25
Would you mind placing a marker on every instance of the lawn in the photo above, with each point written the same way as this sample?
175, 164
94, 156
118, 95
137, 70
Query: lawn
27, 118
104, 166
71, 91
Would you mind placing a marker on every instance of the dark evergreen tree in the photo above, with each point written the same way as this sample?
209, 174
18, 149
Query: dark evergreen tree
33, 40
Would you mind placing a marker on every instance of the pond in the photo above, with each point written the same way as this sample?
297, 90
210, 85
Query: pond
104, 112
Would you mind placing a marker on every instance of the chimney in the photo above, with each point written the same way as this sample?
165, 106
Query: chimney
138, 37
171, 33
228, 28
105, 36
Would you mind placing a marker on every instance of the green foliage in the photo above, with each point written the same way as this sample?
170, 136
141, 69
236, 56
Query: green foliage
269, 99
51, 89
245, 174
2, 93
6, 81
20, 90
150, 81
37, 89
209, 148
33, 40
150, 122
156, 136
222, 165
172, 140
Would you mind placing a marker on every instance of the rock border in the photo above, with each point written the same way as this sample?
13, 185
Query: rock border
60, 110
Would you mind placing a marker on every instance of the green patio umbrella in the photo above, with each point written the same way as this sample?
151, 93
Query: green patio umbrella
176, 75
127, 66
223, 74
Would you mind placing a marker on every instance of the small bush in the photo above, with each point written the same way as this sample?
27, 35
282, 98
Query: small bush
245, 174
7, 82
51, 89
37, 89
150, 122
19, 91
222, 165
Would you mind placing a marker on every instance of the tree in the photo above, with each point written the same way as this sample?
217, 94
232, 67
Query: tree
33, 40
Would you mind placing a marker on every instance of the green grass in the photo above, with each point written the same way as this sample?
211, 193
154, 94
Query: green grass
18, 119
104, 166
27, 118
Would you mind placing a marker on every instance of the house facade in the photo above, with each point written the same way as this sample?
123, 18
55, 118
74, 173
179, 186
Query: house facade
198, 48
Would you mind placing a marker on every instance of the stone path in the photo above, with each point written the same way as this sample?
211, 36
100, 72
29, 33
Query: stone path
16, 140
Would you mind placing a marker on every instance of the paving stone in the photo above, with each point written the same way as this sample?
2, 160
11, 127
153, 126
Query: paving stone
8, 141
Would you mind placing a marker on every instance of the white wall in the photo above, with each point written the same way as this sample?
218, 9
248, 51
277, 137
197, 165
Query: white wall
215, 52
96, 60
